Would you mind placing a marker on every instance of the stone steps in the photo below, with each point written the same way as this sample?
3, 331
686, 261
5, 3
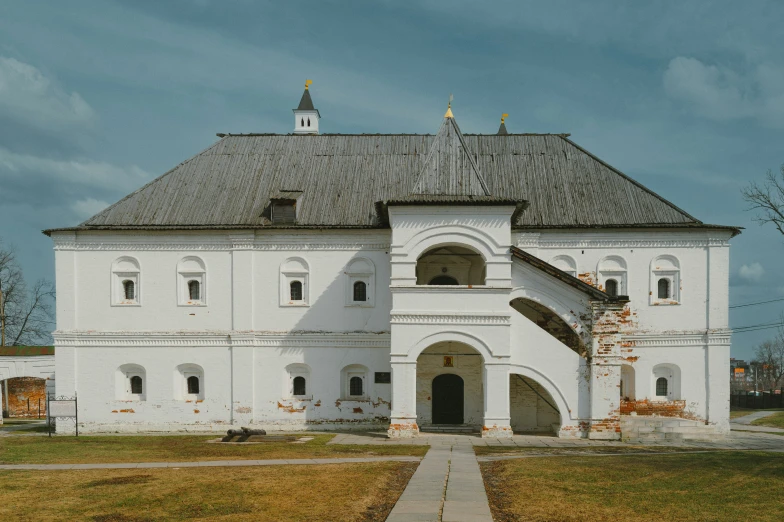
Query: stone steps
645, 428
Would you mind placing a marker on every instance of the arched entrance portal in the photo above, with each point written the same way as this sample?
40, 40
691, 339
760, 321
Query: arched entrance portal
448, 399
449, 386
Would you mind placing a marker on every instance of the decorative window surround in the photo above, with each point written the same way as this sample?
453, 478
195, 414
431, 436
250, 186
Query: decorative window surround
191, 268
665, 267
361, 270
566, 264
613, 267
355, 371
124, 269
294, 269
123, 388
183, 373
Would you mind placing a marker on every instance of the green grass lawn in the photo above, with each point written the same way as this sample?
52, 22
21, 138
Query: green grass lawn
718, 486
25, 449
333, 492
740, 412
774, 421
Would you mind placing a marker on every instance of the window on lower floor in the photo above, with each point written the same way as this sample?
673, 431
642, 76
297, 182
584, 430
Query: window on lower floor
137, 386
661, 387
299, 386
193, 385
355, 387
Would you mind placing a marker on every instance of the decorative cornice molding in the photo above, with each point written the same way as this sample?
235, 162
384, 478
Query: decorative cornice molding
450, 318
222, 339
715, 337
234, 244
535, 241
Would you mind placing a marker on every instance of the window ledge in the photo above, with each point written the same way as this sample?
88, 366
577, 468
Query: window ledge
665, 302
295, 305
359, 305
189, 305
129, 304
302, 398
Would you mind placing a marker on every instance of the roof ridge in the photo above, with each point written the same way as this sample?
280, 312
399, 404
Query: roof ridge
632, 180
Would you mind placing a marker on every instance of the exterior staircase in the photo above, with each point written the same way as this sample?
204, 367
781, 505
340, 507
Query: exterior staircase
644, 428
450, 428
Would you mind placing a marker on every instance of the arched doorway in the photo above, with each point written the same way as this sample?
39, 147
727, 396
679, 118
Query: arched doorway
448, 396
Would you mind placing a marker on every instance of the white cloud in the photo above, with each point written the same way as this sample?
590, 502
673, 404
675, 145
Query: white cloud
29, 96
720, 93
751, 273
88, 207
82, 172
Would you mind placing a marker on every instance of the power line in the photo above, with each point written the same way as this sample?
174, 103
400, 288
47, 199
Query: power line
757, 303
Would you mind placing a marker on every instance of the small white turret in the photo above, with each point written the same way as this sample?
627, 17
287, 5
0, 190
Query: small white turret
306, 117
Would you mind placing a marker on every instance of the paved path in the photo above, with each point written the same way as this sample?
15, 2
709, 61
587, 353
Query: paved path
447, 486
747, 419
206, 463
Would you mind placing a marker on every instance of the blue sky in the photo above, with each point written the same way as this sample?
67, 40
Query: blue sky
98, 97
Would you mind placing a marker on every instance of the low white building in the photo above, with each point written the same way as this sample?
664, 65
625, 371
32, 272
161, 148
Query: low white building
498, 282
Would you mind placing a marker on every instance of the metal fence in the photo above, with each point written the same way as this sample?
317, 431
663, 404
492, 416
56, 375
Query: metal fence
758, 400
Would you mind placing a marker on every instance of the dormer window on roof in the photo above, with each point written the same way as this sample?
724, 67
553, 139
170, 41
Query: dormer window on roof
284, 211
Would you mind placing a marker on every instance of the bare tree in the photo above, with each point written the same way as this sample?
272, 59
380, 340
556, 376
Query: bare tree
767, 199
26, 314
770, 359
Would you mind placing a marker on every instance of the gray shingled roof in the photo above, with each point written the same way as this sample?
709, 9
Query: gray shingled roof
342, 177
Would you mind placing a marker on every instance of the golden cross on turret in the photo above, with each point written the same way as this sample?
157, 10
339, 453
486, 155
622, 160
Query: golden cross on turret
503, 117
307, 84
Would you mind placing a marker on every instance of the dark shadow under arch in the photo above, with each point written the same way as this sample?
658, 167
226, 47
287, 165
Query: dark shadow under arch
550, 322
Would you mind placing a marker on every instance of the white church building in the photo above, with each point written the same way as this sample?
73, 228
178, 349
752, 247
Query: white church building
496, 283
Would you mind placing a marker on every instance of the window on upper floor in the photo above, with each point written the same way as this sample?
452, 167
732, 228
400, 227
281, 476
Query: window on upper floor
126, 278
661, 387
191, 281
360, 282
565, 264
294, 282
612, 275
611, 287
665, 281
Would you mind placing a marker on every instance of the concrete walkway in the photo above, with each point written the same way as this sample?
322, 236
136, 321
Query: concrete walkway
748, 419
447, 486
206, 463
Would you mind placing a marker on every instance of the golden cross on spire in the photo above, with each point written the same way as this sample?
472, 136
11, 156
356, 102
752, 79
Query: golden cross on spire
307, 84
503, 117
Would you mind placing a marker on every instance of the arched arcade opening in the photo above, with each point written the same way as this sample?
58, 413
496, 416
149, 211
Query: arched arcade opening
531, 407
451, 265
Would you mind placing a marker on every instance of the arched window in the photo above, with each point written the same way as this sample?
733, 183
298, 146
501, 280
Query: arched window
661, 387
611, 272
189, 382
665, 280
129, 290
360, 291
136, 385
565, 264
302, 122
129, 383
193, 290
360, 282
294, 282
308, 122
663, 288
443, 280
354, 383
295, 291
355, 386
191, 282
193, 385
299, 386
126, 276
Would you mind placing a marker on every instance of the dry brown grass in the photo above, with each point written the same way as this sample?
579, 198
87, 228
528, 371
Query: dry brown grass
344, 492
720, 486
577, 450
71, 450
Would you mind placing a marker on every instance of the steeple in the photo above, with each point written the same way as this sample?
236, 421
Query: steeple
306, 116
502, 128
450, 168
